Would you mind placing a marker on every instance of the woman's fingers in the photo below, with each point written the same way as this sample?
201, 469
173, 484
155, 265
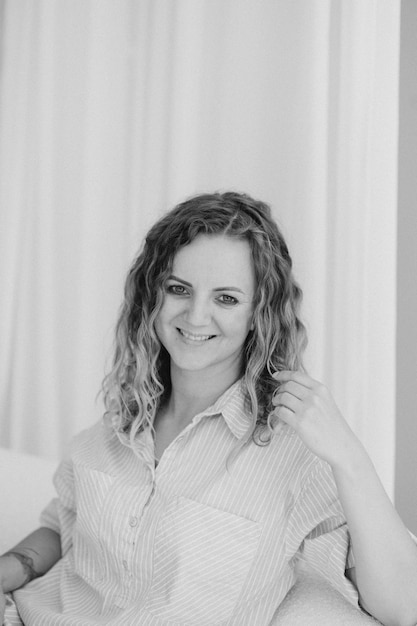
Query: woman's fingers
286, 415
286, 376
288, 400
296, 389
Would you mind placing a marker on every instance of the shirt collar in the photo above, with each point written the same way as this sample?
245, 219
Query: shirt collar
231, 405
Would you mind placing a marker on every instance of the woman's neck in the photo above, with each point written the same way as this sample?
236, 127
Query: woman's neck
192, 393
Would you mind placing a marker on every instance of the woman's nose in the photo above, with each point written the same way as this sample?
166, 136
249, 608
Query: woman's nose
198, 312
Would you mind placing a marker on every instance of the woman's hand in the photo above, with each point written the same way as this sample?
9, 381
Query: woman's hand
308, 407
385, 554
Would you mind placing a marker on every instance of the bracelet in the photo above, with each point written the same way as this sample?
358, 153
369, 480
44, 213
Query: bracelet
27, 564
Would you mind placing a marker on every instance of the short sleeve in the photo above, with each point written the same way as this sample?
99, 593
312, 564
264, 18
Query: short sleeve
318, 528
59, 515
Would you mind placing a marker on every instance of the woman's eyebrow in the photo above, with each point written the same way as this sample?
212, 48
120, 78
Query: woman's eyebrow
179, 280
228, 289
184, 282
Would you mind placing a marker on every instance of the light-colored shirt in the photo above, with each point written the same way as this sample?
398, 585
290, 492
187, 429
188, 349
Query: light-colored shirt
195, 541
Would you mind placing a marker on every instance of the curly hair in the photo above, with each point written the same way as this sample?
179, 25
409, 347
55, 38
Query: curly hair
140, 376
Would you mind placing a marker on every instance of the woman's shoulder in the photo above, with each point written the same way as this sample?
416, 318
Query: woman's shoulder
290, 451
92, 441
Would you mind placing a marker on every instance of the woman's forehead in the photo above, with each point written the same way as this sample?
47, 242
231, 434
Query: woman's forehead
215, 259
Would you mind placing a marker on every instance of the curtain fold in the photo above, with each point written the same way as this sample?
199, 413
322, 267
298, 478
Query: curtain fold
113, 110
362, 220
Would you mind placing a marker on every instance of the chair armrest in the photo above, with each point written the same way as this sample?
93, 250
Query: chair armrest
25, 489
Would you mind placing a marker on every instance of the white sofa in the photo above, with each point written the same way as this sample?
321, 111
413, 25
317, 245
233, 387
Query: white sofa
26, 487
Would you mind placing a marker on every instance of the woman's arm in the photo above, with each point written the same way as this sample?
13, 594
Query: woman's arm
385, 555
30, 558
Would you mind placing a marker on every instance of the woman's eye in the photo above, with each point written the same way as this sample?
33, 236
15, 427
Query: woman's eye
226, 299
177, 290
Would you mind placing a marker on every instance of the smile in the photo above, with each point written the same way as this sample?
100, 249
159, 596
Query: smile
192, 337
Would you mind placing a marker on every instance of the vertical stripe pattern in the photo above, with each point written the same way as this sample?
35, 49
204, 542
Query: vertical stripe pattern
193, 542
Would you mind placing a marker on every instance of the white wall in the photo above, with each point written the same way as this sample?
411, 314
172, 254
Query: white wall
406, 435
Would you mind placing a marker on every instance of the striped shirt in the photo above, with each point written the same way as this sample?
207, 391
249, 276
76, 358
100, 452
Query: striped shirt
194, 541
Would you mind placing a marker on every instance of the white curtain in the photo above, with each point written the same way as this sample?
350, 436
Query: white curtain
114, 110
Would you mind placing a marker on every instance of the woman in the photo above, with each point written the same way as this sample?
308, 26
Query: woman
219, 461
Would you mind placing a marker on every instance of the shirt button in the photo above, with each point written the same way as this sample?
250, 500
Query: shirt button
124, 562
133, 521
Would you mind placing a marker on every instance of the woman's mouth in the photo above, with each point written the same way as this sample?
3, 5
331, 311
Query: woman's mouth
193, 337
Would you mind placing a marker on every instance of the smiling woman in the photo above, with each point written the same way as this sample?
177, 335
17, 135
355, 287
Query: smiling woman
199, 313
220, 462
203, 327
217, 264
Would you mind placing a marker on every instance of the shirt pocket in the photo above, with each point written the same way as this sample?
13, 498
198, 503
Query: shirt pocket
91, 488
202, 557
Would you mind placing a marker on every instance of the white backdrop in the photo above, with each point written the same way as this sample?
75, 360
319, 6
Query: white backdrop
114, 110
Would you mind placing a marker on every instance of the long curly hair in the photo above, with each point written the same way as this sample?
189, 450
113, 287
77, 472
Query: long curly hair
139, 379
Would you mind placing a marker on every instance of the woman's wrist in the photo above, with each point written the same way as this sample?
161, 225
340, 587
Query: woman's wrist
353, 462
13, 574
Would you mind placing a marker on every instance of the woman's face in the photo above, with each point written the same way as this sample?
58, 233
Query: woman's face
208, 304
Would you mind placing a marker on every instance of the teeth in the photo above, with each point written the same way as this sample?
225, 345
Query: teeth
194, 337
